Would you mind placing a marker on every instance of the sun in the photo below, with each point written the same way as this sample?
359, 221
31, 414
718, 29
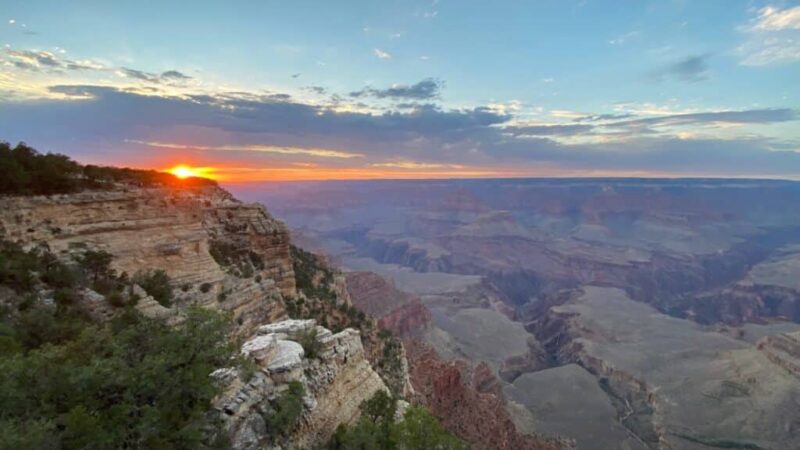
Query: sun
183, 172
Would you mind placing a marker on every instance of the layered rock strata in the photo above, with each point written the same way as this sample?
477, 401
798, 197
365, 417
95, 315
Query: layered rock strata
335, 381
167, 229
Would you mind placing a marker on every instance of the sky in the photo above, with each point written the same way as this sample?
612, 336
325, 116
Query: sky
277, 90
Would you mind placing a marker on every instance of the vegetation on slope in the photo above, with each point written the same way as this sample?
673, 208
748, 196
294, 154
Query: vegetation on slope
377, 429
68, 382
28, 172
237, 260
320, 302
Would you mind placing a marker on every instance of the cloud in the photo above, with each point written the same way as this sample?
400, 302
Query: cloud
623, 38
168, 77
772, 18
773, 37
258, 129
691, 69
415, 165
549, 130
753, 116
602, 117
319, 152
382, 54
316, 89
426, 89
36, 60
175, 76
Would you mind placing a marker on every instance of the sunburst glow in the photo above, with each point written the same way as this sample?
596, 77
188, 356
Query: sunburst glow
183, 171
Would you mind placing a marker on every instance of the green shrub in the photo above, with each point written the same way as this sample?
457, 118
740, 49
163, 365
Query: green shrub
288, 409
136, 380
306, 267
376, 429
116, 299
65, 297
97, 263
157, 284
311, 346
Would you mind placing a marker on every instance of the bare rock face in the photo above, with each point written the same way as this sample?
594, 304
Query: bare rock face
336, 381
783, 350
172, 230
399, 312
464, 399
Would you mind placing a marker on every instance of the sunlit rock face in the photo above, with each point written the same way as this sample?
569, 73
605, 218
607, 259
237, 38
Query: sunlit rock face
172, 230
336, 380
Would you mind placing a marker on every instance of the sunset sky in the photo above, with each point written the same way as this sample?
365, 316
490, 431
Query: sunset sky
267, 90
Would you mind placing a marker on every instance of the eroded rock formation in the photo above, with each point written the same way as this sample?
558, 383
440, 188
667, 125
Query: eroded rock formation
466, 401
335, 380
172, 230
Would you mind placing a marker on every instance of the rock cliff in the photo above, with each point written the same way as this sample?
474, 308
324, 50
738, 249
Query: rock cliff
175, 230
223, 254
783, 350
336, 379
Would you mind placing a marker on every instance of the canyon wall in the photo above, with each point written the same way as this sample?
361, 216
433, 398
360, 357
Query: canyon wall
172, 230
221, 254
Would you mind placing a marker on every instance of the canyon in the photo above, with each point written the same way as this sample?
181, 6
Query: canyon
223, 254
604, 313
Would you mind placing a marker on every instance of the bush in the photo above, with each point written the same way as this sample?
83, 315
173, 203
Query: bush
65, 297
157, 284
376, 429
311, 346
17, 267
288, 409
205, 287
136, 380
380, 408
306, 267
97, 263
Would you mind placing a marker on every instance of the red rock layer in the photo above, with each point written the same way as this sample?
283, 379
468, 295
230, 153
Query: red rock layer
456, 394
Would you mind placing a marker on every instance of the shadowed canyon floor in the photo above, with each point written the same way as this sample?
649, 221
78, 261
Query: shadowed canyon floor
620, 313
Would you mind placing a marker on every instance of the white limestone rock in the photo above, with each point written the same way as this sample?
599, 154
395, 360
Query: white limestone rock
290, 327
288, 356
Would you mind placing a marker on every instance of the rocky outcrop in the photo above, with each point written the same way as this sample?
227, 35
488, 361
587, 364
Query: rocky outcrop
171, 229
783, 350
336, 380
401, 313
466, 401
408, 320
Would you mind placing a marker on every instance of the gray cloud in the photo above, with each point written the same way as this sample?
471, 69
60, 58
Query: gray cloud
175, 75
426, 89
772, 115
91, 128
34, 60
691, 69
316, 89
602, 117
168, 77
549, 130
